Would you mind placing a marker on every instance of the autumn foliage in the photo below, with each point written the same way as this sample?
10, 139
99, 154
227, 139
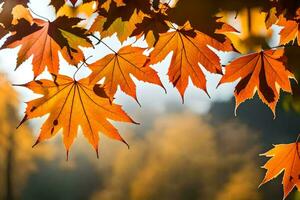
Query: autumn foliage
89, 103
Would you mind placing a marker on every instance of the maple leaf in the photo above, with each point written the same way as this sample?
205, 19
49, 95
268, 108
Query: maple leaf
71, 104
124, 9
189, 47
200, 14
7, 14
45, 39
290, 30
57, 4
284, 158
287, 8
271, 17
20, 12
123, 29
263, 72
117, 68
151, 26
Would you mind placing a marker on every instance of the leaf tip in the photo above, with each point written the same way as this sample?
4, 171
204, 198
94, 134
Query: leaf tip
128, 146
36, 143
97, 152
68, 153
19, 85
22, 121
182, 98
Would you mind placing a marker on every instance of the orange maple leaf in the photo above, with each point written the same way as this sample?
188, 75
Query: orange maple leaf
45, 39
116, 69
284, 157
290, 30
263, 72
190, 47
123, 29
71, 104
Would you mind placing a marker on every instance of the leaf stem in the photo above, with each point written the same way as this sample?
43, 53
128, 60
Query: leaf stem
283, 46
38, 15
83, 63
101, 41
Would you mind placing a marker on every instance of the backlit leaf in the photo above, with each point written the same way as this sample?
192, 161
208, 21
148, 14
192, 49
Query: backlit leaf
284, 158
263, 72
71, 104
117, 68
190, 48
45, 39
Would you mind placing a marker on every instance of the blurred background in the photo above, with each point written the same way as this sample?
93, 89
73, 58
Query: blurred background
193, 151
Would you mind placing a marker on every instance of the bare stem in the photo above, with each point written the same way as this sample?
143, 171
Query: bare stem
39, 15
101, 41
83, 63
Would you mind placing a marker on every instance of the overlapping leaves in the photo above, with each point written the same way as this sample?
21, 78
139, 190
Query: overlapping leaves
192, 42
44, 40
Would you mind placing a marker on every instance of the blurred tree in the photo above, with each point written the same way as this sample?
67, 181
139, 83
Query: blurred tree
16, 154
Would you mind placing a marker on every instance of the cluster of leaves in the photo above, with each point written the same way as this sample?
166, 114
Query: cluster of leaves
89, 102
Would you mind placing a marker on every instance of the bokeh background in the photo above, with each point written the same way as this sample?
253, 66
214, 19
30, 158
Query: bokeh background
193, 151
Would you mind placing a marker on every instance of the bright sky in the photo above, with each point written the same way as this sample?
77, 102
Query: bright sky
150, 96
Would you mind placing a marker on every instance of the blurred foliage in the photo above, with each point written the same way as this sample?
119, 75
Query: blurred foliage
16, 155
292, 102
200, 12
183, 157
180, 155
253, 33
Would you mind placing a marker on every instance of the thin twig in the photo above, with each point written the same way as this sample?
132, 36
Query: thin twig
101, 41
83, 63
95, 37
39, 15
282, 46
